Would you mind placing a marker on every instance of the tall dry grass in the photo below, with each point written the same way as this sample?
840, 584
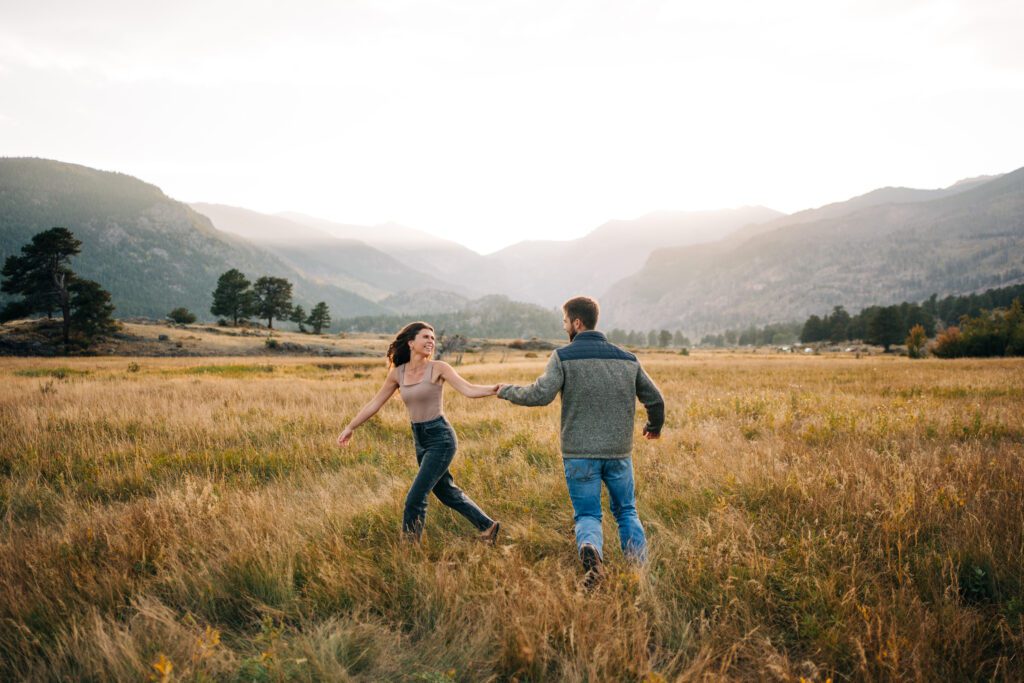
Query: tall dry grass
809, 518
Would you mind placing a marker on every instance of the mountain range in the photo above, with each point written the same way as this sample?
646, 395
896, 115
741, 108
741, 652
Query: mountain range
151, 252
345, 262
891, 245
696, 271
544, 272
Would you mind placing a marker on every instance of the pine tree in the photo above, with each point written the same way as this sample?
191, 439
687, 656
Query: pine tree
233, 297
815, 329
886, 327
838, 324
273, 298
298, 316
42, 276
91, 310
319, 317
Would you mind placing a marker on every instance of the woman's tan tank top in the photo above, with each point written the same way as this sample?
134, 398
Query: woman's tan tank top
424, 398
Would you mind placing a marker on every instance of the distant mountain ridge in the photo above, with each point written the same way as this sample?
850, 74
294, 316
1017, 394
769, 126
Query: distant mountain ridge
348, 263
862, 252
547, 272
151, 252
731, 268
446, 261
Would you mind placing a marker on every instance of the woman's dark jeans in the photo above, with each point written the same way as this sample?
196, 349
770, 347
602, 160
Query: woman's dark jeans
435, 450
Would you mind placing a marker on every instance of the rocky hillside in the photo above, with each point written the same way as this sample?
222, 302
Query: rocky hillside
151, 252
868, 252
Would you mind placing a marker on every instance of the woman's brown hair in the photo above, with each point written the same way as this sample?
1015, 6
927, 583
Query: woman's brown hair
398, 352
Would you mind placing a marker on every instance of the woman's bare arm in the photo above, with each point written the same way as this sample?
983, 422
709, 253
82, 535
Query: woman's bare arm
371, 408
462, 386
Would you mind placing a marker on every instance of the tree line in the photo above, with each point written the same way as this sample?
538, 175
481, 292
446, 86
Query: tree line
880, 325
44, 283
983, 324
773, 334
952, 308
237, 299
996, 332
651, 338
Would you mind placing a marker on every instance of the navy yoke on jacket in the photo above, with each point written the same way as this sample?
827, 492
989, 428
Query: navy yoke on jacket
600, 384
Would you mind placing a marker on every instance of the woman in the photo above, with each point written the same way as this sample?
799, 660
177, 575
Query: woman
420, 381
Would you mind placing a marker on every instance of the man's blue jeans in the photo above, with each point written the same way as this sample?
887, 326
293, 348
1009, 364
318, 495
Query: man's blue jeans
583, 477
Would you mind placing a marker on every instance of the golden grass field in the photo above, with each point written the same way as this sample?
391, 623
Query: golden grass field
809, 518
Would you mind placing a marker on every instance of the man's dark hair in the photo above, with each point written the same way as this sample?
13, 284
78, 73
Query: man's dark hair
582, 308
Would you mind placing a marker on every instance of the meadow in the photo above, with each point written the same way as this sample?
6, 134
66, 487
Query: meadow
810, 518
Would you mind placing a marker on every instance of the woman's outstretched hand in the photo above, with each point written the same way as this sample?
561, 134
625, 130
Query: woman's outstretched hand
345, 437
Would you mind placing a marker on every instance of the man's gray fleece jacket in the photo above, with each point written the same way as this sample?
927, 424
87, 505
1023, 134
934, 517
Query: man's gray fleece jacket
599, 383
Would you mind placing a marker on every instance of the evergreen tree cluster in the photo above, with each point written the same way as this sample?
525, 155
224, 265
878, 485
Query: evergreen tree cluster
43, 278
881, 325
772, 334
887, 325
269, 298
950, 309
661, 339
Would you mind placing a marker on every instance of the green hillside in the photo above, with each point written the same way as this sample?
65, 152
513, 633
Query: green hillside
151, 252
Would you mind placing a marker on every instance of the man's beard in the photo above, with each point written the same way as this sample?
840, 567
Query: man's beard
572, 334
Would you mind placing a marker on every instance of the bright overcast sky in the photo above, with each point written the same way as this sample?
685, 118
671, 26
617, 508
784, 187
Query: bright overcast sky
492, 121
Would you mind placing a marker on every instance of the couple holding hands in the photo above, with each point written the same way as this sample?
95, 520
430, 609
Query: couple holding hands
599, 383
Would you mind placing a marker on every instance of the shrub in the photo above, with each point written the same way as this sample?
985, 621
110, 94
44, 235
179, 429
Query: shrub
950, 344
916, 341
182, 315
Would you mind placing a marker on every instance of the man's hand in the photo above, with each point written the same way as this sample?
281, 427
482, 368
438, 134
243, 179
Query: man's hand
345, 437
650, 436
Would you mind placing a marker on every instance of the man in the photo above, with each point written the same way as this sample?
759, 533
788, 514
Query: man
599, 383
